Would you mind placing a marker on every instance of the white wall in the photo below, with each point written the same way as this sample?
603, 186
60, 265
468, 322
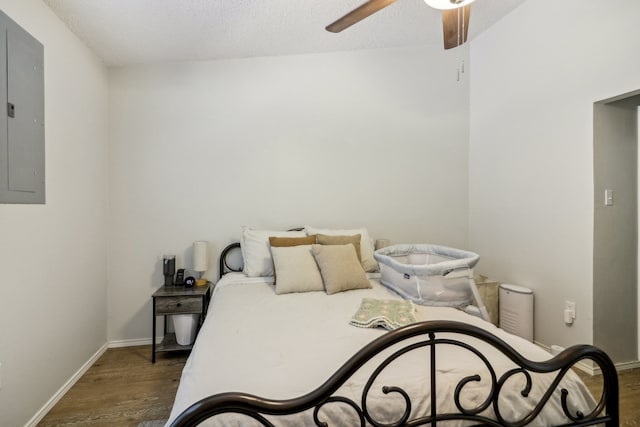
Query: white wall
53, 256
535, 76
373, 138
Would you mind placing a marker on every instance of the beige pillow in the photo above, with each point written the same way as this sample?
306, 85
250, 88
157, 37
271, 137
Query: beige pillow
340, 268
327, 239
296, 269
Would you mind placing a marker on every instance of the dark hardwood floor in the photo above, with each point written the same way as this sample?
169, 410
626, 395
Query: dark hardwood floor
629, 387
123, 388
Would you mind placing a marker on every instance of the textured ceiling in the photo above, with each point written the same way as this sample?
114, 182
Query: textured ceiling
125, 32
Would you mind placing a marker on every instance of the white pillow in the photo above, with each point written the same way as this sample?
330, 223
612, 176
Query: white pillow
256, 251
366, 247
296, 269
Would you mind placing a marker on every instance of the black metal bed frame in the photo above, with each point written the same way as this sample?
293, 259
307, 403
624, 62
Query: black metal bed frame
403, 340
224, 267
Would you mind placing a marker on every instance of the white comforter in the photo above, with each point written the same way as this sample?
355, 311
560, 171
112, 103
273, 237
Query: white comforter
284, 346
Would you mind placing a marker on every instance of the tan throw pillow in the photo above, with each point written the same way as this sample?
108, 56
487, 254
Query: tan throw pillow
366, 246
340, 268
296, 269
281, 242
327, 239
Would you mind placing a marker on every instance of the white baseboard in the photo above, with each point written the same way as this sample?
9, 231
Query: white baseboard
592, 368
132, 342
74, 379
620, 366
65, 388
625, 366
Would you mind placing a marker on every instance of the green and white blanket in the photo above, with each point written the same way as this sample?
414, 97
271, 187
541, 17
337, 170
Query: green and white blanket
389, 314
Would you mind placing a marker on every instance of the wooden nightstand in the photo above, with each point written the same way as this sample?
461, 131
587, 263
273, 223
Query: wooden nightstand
169, 300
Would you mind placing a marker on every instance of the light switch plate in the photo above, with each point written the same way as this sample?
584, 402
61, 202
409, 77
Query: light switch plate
608, 197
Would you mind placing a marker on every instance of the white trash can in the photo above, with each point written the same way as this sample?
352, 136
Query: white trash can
516, 310
185, 326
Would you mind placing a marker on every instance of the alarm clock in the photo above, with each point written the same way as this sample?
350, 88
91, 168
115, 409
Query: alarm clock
180, 277
189, 282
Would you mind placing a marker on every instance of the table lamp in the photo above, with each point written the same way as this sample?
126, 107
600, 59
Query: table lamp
200, 261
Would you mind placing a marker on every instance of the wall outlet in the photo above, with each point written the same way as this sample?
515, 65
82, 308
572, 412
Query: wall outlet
569, 312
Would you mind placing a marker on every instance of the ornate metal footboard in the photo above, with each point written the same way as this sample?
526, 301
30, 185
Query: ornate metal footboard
429, 336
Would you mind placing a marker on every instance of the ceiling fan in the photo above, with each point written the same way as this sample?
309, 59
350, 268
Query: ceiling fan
455, 18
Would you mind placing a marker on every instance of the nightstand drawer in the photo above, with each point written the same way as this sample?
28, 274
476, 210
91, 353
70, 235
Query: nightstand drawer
178, 304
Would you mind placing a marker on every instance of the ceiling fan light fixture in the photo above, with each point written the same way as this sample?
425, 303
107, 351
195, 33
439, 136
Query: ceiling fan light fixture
447, 4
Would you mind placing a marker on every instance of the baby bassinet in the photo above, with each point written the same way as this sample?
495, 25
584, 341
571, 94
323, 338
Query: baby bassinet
431, 275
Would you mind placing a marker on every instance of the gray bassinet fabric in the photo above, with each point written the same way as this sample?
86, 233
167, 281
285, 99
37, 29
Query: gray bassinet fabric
458, 259
420, 273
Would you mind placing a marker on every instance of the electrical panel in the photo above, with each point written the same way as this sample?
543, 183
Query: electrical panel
22, 155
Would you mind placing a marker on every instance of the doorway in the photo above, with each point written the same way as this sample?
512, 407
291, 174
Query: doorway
615, 250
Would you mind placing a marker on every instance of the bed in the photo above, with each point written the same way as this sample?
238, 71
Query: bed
293, 359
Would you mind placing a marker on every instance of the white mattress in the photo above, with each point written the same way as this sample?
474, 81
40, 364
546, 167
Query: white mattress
284, 346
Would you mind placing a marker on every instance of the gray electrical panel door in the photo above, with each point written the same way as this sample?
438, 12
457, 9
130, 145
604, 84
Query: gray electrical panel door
22, 161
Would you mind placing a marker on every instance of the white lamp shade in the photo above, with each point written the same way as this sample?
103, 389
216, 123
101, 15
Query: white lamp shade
200, 256
447, 4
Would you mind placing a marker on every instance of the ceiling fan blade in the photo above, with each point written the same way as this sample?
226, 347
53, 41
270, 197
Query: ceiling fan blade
357, 15
455, 26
